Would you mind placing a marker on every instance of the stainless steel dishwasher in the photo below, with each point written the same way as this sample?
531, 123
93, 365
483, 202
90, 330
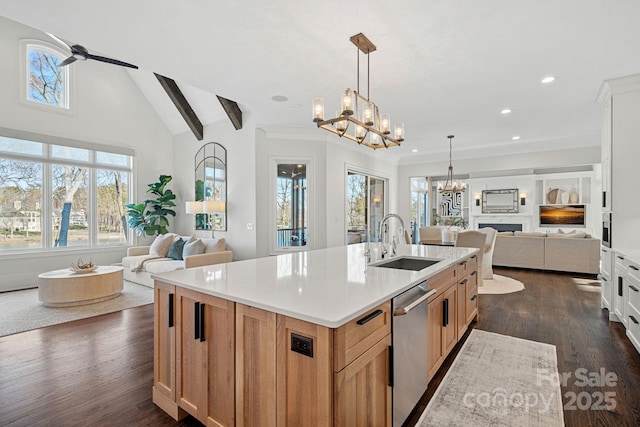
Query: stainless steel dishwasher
409, 337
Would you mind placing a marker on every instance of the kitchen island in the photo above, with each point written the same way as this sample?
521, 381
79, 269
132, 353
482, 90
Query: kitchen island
299, 339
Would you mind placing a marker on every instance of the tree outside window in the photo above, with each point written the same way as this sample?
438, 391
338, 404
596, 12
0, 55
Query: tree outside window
46, 81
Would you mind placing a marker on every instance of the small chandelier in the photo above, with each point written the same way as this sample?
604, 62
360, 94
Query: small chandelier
369, 128
451, 186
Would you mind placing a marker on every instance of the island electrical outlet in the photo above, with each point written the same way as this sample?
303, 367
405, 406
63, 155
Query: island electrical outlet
302, 345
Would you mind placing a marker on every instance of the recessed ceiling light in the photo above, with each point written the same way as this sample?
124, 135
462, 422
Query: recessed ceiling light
548, 79
515, 138
415, 150
279, 98
505, 111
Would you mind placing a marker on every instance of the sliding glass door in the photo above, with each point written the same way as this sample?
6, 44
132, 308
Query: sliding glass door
419, 206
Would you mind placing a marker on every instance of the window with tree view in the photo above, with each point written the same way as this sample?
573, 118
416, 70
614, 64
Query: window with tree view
291, 205
85, 189
47, 83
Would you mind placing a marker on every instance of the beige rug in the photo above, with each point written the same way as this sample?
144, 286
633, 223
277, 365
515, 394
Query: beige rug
500, 285
21, 311
497, 380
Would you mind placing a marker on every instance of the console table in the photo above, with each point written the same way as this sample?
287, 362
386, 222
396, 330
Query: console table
64, 288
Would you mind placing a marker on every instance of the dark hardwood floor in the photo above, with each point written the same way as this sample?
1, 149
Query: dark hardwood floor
98, 371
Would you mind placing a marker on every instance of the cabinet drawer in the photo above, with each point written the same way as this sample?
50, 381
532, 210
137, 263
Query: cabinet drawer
633, 327
442, 280
633, 289
472, 299
621, 263
463, 268
634, 271
354, 338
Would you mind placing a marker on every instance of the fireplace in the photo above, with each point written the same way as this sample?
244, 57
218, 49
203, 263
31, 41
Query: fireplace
502, 226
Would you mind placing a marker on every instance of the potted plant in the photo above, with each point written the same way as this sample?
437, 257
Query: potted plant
150, 216
446, 222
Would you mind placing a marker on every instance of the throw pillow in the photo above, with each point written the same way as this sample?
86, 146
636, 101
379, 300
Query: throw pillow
194, 248
214, 245
162, 243
175, 251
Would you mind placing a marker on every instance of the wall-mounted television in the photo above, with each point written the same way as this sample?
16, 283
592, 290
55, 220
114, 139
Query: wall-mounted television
562, 215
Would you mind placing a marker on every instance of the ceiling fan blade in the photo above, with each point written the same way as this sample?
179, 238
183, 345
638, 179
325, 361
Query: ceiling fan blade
59, 40
111, 61
68, 61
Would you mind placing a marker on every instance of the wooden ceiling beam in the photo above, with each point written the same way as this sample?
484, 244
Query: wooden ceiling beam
232, 110
181, 103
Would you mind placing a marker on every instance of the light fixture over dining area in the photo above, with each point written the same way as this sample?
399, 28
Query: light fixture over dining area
451, 185
358, 118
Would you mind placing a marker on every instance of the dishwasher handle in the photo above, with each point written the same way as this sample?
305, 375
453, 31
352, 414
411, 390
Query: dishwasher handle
404, 310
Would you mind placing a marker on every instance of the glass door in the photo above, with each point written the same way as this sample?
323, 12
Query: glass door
365, 206
291, 206
419, 207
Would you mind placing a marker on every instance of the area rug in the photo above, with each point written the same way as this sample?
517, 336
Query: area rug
500, 285
21, 311
497, 380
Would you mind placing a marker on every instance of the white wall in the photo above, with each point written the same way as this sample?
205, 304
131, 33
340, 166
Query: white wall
331, 157
241, 182
107, 108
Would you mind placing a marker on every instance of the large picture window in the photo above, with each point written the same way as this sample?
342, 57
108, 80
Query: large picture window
54, 196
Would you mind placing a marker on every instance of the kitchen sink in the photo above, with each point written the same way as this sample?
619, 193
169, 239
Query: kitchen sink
406, 263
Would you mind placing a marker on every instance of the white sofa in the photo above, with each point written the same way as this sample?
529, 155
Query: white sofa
571, 252
140, 264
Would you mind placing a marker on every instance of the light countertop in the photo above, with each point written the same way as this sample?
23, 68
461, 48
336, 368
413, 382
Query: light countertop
328, 287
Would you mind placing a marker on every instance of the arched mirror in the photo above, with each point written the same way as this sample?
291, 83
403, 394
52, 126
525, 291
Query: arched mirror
211, 186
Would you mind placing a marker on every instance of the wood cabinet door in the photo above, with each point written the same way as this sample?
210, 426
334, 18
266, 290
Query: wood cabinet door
450, 328
434, 331
255, 367
219, 360
362, 396
191, 385
164, 350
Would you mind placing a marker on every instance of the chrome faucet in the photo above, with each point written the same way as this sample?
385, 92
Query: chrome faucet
381, 240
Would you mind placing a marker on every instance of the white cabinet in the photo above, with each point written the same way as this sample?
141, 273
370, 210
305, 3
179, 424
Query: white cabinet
620, 102
619, 292
606, 278
632, 310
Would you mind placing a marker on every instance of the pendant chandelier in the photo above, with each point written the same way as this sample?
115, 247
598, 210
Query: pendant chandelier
359, 118
451, 186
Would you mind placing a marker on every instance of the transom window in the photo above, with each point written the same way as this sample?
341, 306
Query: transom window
47, 83
54, 196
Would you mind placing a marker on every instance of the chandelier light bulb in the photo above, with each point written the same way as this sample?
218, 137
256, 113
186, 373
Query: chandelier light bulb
367, 116
347, 103
385, 126
342, 124
359, 132
318, 109
399, 134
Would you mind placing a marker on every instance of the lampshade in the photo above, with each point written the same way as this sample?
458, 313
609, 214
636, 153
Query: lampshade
194, 207
213, 206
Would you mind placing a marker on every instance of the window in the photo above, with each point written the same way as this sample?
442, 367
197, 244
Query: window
365, 206
85, 189
46, 82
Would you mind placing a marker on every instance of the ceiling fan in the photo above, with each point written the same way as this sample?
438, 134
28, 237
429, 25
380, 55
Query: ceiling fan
81, 53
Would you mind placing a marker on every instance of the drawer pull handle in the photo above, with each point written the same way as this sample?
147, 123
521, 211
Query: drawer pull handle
473, 273
202, 334
633, 319
633, 288
369, 317
473, 298
196, 320
171, 311
463, 263
445, 312
463, 282
633, 267
604, 279
620, 257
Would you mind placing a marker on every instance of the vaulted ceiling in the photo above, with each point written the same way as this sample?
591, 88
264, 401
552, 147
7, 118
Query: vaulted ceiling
442, 67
